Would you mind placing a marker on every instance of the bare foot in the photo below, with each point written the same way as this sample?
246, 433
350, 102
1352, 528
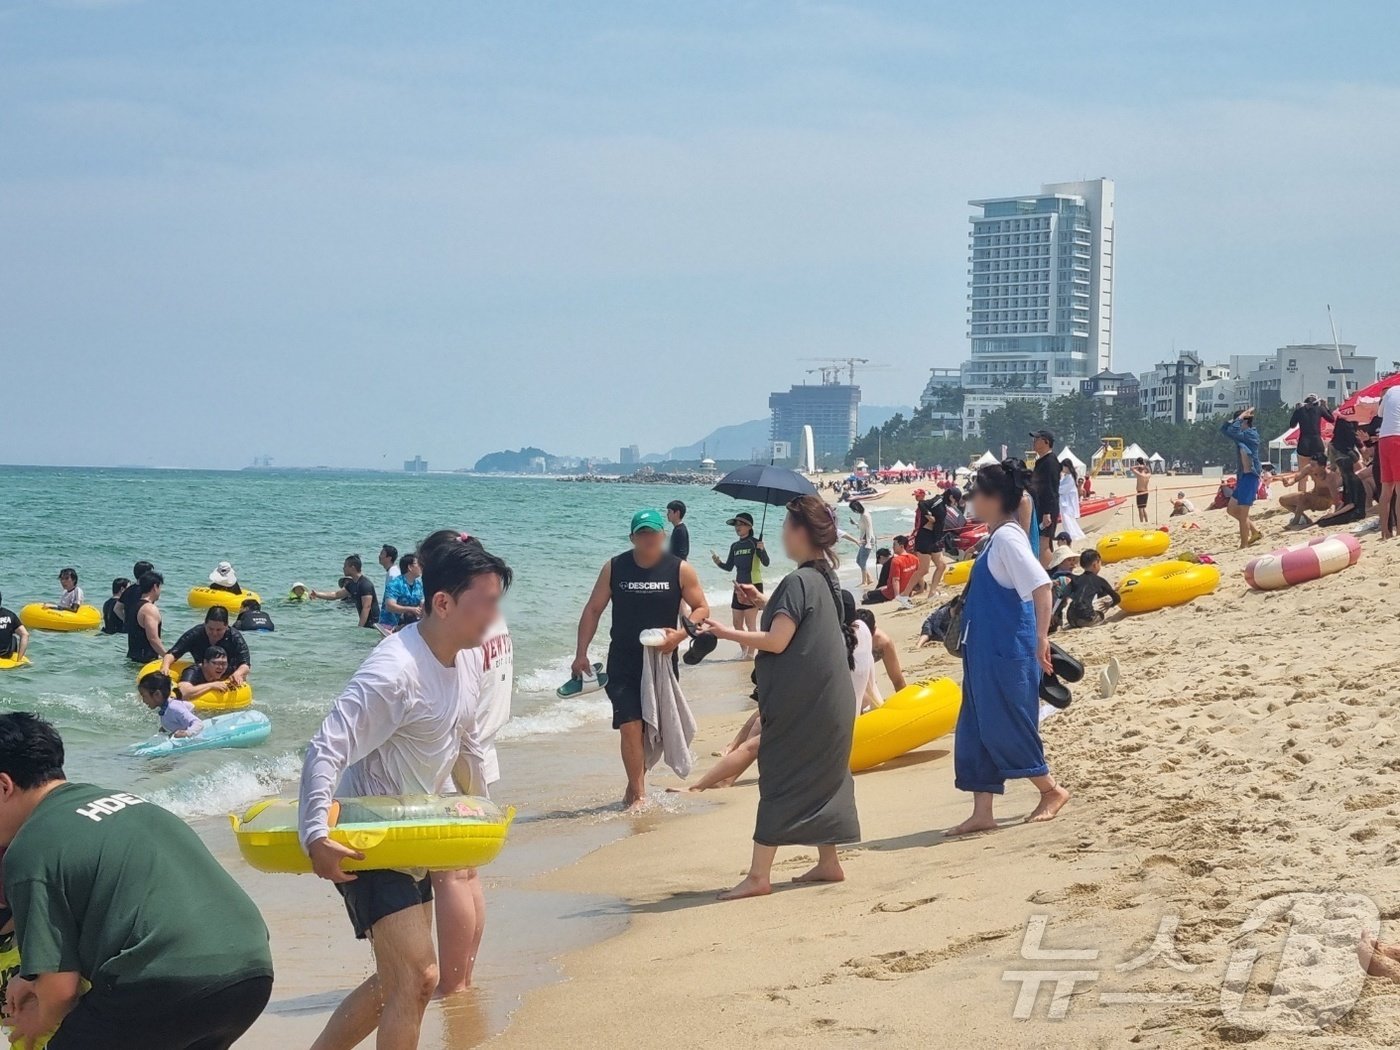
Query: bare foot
972, 825
634, 802
750, 887
823, 873
1051, 802
1377, 959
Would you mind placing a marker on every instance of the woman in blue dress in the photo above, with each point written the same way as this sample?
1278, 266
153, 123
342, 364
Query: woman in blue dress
1006, 646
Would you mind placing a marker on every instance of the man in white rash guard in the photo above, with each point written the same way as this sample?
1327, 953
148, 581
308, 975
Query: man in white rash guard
401, 726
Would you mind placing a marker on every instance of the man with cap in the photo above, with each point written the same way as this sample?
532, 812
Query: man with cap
223, 578
645, 586
1045, 492
746, 560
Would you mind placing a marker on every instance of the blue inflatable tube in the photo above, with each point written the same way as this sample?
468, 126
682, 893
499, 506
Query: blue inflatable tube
239, 729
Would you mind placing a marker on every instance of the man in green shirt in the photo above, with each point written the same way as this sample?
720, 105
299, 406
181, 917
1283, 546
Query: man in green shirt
112, 890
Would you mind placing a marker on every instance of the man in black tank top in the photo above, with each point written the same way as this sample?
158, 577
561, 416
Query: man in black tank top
143, 621
645, 586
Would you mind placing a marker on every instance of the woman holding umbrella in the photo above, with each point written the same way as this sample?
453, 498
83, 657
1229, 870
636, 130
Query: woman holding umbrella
747, 557
806, 796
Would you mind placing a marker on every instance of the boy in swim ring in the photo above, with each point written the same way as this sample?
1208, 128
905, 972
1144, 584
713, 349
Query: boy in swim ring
207, 676
176, 716
298, 593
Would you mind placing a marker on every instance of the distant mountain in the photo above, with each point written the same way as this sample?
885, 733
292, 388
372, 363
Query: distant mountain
739, 440
508, 462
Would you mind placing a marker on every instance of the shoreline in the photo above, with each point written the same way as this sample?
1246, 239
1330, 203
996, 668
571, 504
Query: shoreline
925, 930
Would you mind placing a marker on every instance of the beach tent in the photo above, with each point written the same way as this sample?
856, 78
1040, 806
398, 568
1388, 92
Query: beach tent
1067, 453
986, 460
1133, 453
1158, 464
898, 465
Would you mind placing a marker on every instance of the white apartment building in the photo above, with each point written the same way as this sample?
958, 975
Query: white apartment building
1040, 301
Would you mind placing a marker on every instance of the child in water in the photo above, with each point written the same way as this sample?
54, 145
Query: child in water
176, 716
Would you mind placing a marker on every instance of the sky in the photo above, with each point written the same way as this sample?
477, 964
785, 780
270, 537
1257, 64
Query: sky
346, 233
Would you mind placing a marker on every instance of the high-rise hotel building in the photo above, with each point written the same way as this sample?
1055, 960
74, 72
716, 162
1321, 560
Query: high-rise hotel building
1040, 308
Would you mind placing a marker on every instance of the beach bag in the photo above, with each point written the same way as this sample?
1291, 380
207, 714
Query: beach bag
953, 633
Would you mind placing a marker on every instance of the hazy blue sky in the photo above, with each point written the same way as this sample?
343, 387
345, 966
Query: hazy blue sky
380, 229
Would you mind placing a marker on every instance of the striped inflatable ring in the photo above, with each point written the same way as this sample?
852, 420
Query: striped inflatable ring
1289, 565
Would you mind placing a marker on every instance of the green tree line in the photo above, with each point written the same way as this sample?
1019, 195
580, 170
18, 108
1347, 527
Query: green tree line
1077, 420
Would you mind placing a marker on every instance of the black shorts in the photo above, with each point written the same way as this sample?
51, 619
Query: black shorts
625, 692
376, 895
735, 603
156, 1020
1311, 448
927, 542
1142, 500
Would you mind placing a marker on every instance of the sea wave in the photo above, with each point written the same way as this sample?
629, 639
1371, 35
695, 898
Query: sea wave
229, 787
559, 717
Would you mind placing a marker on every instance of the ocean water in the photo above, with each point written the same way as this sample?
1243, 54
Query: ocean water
280, 527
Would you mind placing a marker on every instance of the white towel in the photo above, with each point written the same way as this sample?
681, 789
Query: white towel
668, 725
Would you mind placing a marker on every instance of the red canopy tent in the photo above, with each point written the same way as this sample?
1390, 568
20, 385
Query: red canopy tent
1360, 408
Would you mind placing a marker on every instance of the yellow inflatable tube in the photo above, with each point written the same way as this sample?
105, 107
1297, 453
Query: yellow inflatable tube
1166, 584
9, 966
958, 573
208, 597
209, 703
9, 663
436, 832
1133, 543
909, 719
42, 618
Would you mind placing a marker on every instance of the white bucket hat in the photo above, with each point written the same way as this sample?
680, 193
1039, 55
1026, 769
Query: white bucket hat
224, 575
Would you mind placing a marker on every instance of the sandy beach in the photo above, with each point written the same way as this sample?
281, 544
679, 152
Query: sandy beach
1247, 757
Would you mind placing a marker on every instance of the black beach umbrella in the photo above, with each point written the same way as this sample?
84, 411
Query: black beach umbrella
771, 486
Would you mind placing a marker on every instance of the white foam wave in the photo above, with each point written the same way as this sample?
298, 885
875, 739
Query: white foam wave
559, 717
230, 787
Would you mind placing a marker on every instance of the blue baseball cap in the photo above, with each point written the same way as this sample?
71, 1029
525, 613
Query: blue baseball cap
648, 520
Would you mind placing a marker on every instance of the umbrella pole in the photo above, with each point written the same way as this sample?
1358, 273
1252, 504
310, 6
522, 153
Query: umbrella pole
764, 523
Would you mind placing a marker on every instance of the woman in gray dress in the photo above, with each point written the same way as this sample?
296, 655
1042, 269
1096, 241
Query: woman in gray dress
806, 796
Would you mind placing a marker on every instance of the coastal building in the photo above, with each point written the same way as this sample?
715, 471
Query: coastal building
832, 410
1111, 386
629, 455
942, 399
416, 465
1040, 305
1293, 372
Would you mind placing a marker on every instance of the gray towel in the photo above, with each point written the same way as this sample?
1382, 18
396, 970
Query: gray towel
668, 725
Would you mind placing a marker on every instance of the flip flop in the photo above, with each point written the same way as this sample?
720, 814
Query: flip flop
1067, 668
577, 686
1054, 692
701, 646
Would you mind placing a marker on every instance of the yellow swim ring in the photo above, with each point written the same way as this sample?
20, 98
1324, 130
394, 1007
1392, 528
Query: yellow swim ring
9, 663
9, 966
1133, 543
1166, 584
208, 597
41, 618
909, 719
436, 832
958, 573
209, 703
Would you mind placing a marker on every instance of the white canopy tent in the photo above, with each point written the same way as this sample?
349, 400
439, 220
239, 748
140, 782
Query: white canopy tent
898, 465
1067, 453
1158, 464
986, 460
1133, 453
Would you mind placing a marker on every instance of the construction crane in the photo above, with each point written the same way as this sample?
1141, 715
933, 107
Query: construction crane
833, 367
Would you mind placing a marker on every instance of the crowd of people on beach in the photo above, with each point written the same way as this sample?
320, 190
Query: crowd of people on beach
107, 964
